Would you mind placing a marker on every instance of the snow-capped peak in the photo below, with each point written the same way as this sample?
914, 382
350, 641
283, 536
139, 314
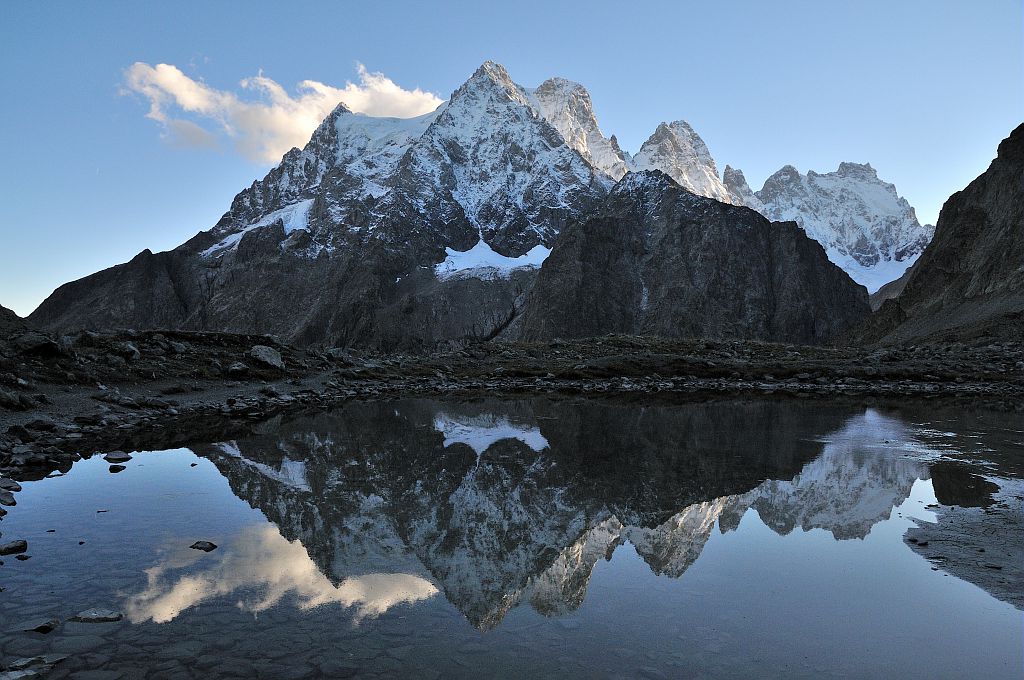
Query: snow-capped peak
677, 150
864, 225
491, 159
567, 105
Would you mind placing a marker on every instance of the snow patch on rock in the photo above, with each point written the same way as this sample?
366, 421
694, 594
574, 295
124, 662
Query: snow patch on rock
482, 262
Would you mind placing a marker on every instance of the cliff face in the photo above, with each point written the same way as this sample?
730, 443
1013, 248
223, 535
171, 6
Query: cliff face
969, 282
659, 260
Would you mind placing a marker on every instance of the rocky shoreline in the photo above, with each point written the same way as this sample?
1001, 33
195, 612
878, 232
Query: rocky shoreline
69, 397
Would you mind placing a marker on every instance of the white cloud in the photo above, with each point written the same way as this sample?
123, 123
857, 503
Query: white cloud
267, 125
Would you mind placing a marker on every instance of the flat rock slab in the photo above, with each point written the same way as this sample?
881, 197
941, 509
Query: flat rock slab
117, 457
13, 547
97, 616
205, 546
40, 626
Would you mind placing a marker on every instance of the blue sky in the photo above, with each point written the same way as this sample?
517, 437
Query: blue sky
924, 90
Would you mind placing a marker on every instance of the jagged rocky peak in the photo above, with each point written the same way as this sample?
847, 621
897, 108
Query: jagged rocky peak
787, 178
491, 159
865, 226
567, 105
677, 150
848, 169
736, 184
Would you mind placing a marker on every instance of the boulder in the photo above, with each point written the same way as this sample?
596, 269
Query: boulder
267, 356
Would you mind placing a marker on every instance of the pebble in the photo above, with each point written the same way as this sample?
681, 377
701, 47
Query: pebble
205, 546
117, 457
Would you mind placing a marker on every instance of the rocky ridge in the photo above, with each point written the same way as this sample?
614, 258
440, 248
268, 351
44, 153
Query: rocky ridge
969, 281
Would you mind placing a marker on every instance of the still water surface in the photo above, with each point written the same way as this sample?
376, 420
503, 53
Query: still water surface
533, 538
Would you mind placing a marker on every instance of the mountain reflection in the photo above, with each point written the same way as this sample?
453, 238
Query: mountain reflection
496, 503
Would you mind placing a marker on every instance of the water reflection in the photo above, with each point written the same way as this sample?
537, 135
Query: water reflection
263, 568
500, 503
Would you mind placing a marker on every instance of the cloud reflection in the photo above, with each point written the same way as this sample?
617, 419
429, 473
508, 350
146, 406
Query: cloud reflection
264, 568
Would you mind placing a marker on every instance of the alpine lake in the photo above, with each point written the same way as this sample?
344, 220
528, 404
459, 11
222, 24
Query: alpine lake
541, 537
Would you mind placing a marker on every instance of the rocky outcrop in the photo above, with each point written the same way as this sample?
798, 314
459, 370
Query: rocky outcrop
659, 260
969, 282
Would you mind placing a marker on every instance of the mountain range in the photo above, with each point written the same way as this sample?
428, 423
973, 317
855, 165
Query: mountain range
404, 233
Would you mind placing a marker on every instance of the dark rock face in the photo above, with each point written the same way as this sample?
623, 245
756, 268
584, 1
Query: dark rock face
969, 282
659, 260
9, 321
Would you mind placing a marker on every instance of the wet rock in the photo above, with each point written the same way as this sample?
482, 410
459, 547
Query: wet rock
117, 457
43, 626
13, 547
34, 661
114, 469
97, 616
268, 356
22, 674
8, 484
7, 498
205, 546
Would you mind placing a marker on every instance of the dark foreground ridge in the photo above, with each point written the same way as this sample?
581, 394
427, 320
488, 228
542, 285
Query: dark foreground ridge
63, 397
